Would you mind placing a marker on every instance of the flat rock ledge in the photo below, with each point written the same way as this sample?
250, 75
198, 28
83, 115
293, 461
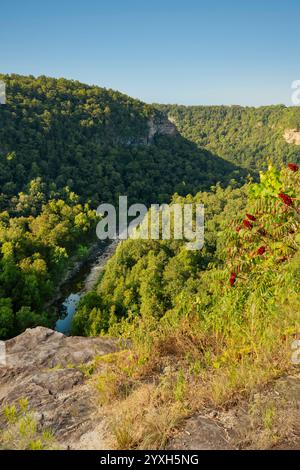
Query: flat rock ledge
47, 368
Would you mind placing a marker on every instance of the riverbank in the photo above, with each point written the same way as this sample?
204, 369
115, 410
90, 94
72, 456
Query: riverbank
75, 265
80, 280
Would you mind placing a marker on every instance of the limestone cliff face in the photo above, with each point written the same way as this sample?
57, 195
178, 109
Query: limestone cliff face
160, 125
292, 136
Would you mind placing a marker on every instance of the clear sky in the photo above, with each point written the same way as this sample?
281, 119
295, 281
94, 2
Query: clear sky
169, 51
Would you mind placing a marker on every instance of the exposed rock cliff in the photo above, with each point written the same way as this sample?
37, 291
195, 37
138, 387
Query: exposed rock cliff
292, 136
160, 125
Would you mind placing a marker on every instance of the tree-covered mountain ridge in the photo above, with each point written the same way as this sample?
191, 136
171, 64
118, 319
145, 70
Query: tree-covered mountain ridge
97, 142
101, 143
125, 120
247, 136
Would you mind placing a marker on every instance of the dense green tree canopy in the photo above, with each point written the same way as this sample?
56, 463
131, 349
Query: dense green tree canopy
37, 241
98, 143
65, 147
249, 137
252, 235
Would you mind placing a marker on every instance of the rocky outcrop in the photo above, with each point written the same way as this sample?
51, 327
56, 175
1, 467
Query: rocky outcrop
292, 136
160, 125
157, 124
47, 368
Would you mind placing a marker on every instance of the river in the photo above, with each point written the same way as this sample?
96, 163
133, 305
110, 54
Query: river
79, 284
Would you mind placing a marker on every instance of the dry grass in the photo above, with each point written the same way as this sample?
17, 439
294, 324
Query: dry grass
146, 408
191, 369
142, 421
272, 420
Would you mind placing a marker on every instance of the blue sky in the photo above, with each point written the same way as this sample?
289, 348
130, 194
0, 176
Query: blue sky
187, 52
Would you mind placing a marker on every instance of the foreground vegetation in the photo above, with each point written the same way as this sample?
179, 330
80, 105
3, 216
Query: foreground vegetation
20, 430
229, 326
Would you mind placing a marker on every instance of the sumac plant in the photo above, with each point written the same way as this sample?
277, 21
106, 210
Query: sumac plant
269, 231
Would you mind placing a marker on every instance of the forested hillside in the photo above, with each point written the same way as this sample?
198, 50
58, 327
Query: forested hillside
60, 139
249, 137
65, 147
35, 252
207, 327
147, 277
100, 143
151, 278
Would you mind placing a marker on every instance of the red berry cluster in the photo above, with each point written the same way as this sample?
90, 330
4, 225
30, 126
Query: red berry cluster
293, 167
261, 250
232, 278
287, 200
247, 224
